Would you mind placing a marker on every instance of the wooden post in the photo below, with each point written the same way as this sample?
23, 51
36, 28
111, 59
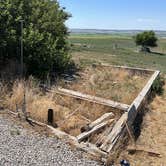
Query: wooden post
50, 118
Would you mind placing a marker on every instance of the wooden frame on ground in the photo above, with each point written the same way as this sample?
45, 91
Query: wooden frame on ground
118, 129
130, 110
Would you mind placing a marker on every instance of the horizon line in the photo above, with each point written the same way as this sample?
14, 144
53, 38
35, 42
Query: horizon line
117, 29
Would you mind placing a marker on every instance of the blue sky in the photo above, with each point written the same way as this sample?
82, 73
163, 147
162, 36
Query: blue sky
116, 14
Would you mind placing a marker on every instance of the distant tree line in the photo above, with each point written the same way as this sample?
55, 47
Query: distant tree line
45, 45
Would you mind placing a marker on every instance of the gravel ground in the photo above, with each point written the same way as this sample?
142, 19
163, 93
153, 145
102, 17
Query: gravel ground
19, 147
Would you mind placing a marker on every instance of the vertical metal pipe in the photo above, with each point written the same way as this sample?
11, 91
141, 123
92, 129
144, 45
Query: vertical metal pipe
22, 58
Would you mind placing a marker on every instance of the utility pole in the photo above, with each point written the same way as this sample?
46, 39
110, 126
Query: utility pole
21, 42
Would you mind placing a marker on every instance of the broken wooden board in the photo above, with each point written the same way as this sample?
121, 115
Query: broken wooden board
86, 134
62, 135
103, 118
94, 99
128, 117
110, 140
142, 148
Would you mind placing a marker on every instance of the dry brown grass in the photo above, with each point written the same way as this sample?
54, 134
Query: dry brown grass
38, 103
111, 83
16, 97
3, 92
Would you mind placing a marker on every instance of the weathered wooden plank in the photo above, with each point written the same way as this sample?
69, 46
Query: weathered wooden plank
86, 134
145, 90
132, 111
94, 99
61, 135
113, 135
127, 67
103, 118
128, 117
36, 122
142, 148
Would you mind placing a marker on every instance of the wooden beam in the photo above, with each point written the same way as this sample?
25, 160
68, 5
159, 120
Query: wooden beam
62, 135
127, 68
94, 99
103, 118
114, 134
36, 122
86, 134
128, 117
142, 148
132, 111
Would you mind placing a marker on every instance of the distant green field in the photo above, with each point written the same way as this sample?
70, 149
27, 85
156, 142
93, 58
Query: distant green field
117, 50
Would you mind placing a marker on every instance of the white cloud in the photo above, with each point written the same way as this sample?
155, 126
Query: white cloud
147, 20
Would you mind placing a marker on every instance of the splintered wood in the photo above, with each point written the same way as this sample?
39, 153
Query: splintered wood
141, 148
96, 125
103, 118
93, 130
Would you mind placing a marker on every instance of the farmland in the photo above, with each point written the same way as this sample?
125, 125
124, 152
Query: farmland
116, 50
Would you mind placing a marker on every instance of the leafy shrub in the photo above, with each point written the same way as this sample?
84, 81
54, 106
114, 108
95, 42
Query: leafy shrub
157, 86
44, 37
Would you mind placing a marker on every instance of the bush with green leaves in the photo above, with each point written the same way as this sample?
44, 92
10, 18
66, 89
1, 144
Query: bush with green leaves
157, 86
44, 37
146, 39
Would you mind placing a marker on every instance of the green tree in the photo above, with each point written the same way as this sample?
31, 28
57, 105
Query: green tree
45, 34
145, 40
